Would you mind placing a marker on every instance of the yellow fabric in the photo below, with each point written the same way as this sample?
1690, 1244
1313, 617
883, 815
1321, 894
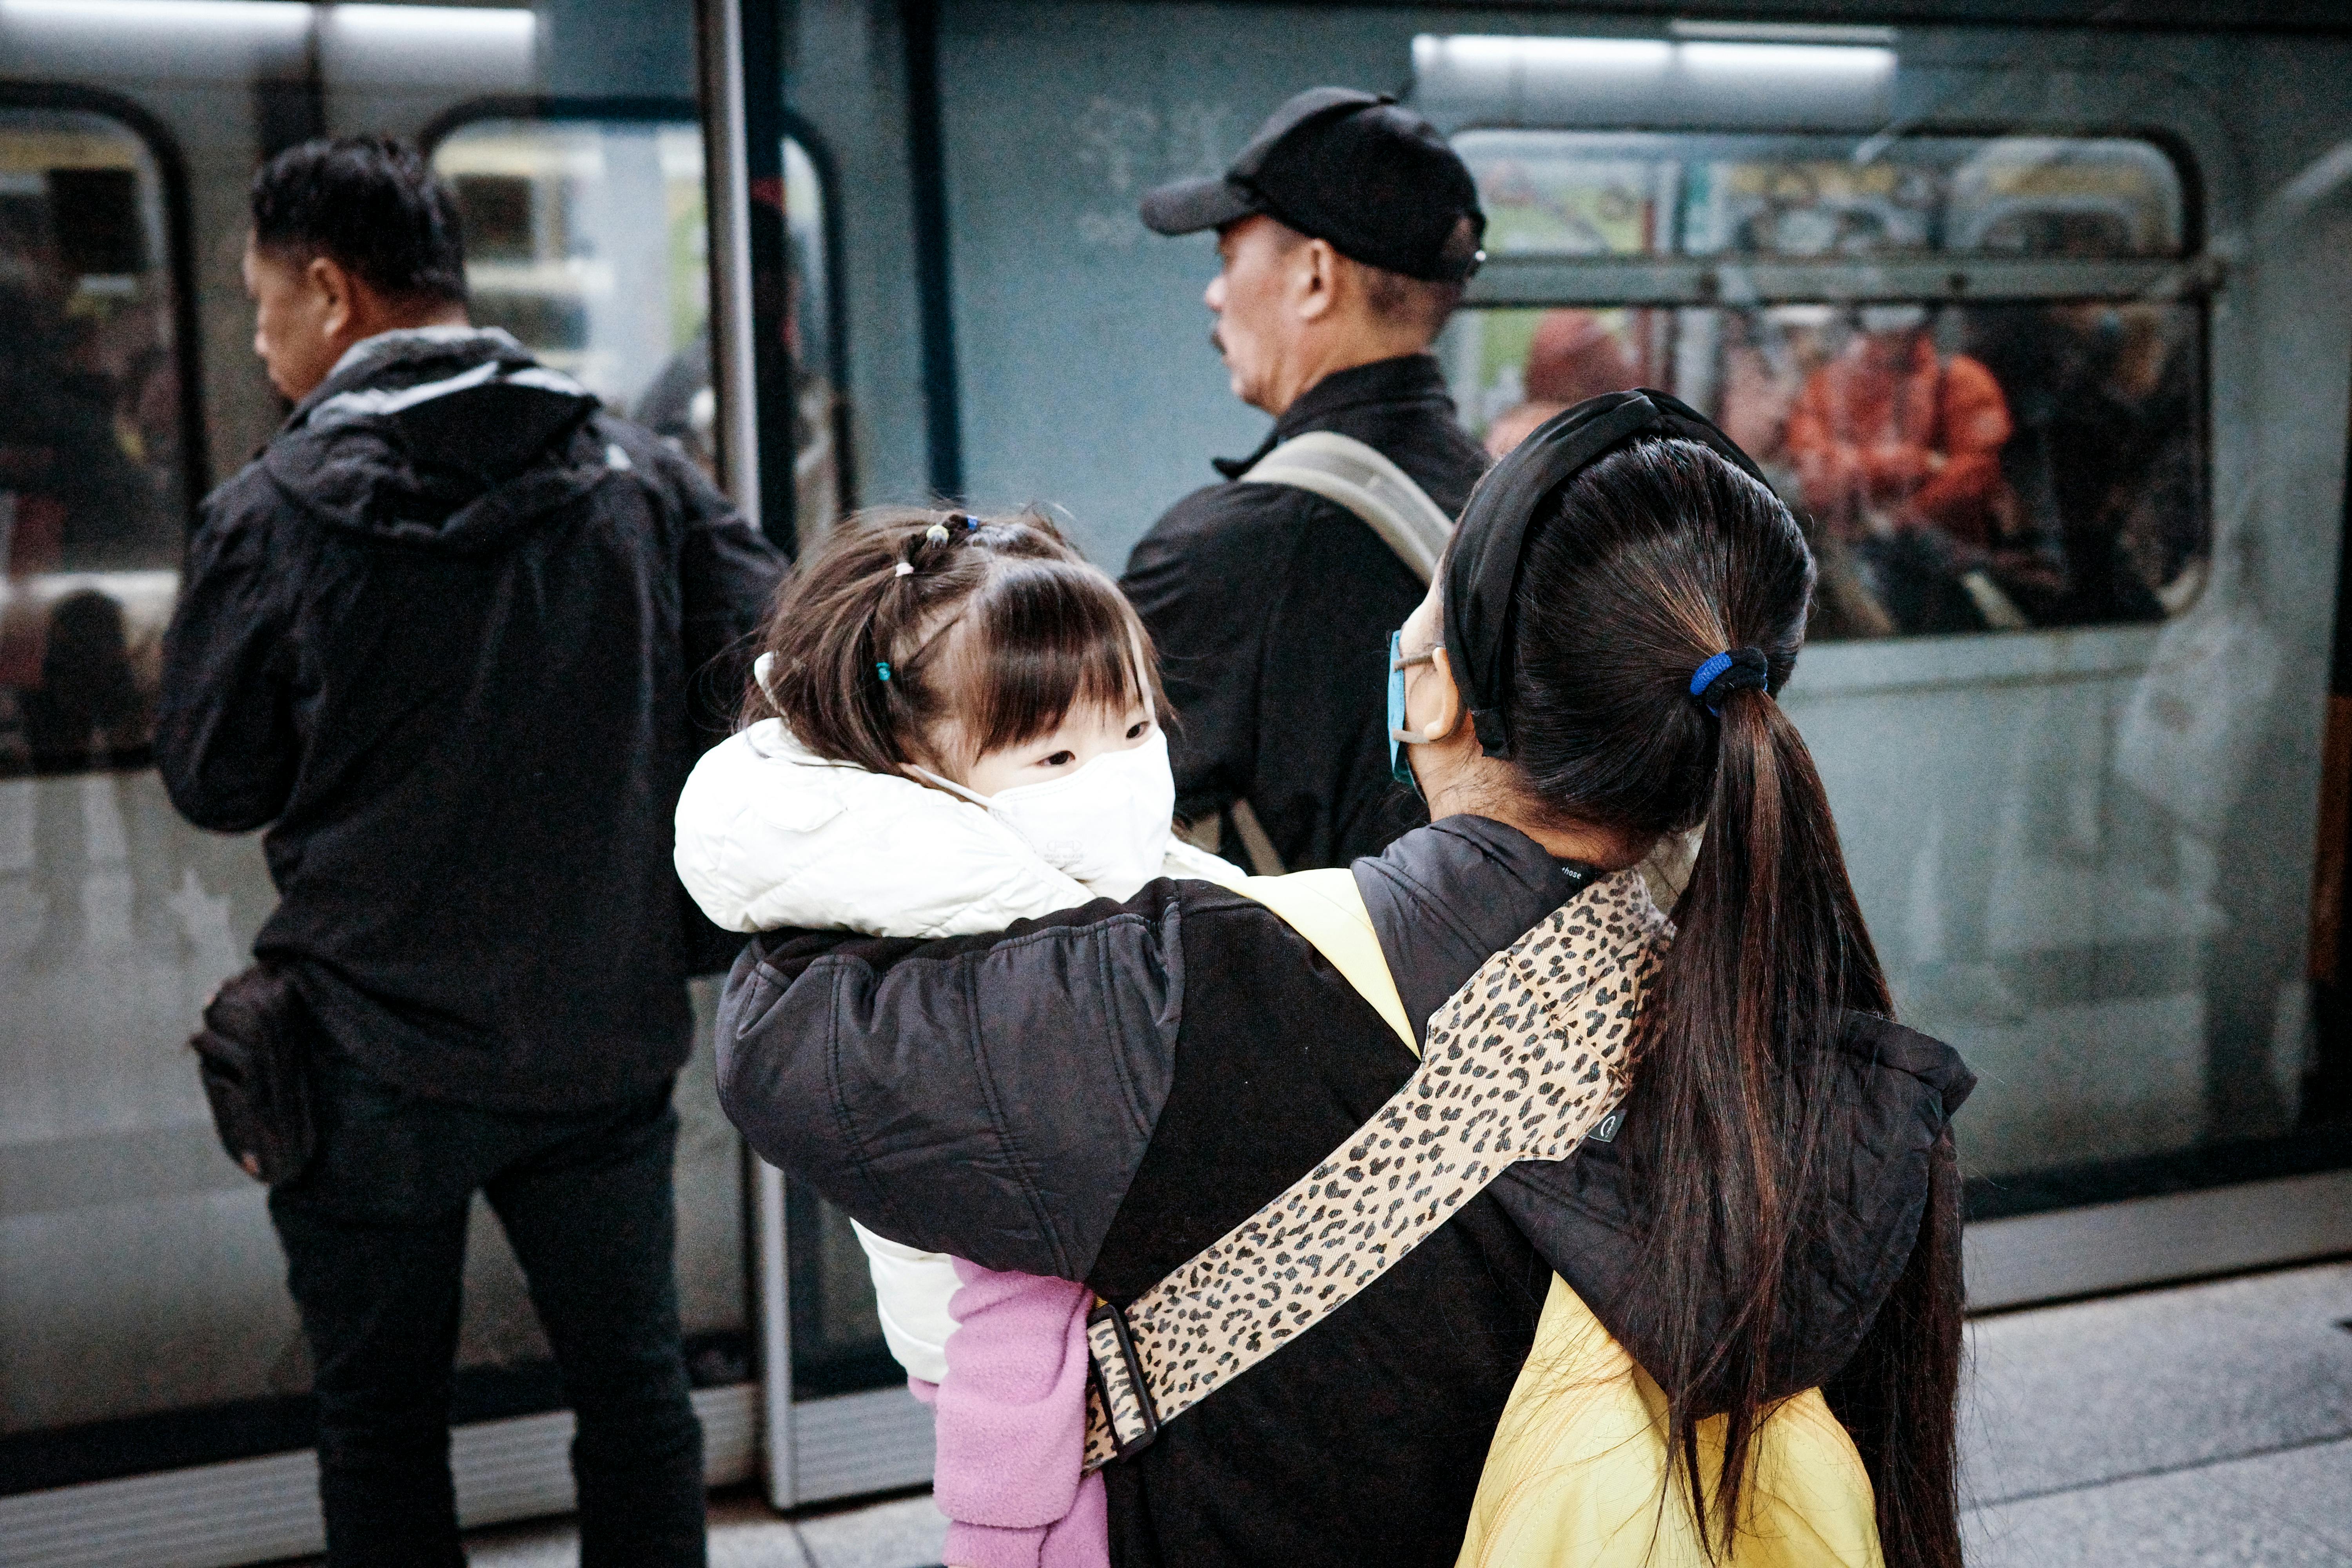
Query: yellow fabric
1578, 1466
1327, 909
1577, 1469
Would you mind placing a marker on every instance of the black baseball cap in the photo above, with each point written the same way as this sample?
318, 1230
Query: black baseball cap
1356, 170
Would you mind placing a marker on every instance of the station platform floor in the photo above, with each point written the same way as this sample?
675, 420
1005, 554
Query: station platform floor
2201, 1426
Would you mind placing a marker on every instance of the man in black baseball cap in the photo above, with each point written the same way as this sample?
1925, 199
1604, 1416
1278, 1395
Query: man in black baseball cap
1347, 229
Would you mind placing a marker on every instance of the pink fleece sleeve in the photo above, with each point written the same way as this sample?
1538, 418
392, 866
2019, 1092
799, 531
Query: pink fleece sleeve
1012, 1423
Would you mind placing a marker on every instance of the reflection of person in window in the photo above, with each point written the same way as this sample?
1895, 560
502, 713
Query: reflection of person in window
81, 504
88, 694
1765, 361
2125, 461
88, 711
1897, 447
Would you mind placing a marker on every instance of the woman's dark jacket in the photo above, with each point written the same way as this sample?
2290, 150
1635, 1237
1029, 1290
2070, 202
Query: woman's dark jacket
1101, 1094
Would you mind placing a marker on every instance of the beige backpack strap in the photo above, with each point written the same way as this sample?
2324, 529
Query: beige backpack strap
1327, 908
1348, 473
1344, 470
1520, 1063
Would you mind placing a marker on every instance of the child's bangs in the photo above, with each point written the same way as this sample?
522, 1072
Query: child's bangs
1042, 637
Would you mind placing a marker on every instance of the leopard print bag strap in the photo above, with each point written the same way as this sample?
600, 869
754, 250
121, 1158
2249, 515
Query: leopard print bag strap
1520, 1063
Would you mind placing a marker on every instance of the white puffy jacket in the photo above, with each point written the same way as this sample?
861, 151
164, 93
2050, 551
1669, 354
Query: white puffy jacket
771, 834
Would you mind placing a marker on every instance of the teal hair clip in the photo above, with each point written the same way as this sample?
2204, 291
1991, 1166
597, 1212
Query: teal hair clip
882, 672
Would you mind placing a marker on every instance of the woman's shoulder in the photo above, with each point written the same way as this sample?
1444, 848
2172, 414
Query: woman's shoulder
1903, 1067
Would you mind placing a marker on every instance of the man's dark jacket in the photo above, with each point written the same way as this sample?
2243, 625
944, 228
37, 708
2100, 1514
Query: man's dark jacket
1101, 1094
1272, 609
454, 637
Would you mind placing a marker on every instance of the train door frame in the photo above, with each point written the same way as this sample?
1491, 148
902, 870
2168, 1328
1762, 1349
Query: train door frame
2215, 1221
846, 1444
838, 1444
877, 1439
264, 1506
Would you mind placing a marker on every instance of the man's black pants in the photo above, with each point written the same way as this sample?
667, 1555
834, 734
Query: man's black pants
374, 1233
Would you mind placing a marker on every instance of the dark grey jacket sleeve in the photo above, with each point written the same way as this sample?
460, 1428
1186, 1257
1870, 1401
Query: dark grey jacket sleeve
225, 741
988, 1097
728, 573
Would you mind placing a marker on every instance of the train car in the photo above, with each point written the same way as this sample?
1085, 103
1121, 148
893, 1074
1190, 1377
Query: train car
2087, 722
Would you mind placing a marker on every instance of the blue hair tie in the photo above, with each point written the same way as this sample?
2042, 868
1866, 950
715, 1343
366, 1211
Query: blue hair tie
1736, 669
882, 672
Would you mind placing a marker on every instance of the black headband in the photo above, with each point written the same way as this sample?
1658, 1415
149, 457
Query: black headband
1482, 565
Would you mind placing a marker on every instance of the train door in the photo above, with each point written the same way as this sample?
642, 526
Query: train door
837, 1418
2055, 676
152, 1374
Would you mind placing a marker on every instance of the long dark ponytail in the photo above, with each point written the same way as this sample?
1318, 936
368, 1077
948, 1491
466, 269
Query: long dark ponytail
1635, 571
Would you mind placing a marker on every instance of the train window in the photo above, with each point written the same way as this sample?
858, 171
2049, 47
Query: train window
1582, 195
2005, 463
585, 238
573, 224
94, 486
1578, 193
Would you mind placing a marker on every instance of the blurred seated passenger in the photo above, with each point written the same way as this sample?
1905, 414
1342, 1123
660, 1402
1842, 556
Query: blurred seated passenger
2123, 449
89, 696
1762, 371
1897, 447
1573, 357
2157, 502
2104, 462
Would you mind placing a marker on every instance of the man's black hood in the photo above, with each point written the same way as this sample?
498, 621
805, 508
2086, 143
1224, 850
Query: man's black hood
448, 438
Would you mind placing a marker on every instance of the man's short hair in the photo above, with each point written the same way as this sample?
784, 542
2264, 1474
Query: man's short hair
369, 205
1417, 302
1393, 299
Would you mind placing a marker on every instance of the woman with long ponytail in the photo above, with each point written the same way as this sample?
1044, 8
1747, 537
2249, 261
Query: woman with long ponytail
1460, 1207
1659, 604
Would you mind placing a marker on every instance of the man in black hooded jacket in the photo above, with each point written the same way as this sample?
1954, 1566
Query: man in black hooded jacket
456, 639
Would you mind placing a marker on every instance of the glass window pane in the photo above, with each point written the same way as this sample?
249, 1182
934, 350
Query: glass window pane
570, 225
1807, 201
1546, 194
808, 336
93, 481
1566, 192
572, 229
836, 1330
1962, 468
2026, 196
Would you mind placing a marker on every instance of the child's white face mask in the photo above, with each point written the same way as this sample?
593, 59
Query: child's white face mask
1105, 825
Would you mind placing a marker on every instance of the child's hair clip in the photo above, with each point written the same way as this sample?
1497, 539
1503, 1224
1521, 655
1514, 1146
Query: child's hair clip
904, 569
937, 533
970, 523
882, 671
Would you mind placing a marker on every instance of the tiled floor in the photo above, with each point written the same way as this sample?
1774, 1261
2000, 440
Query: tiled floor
745, 1533
2209, 1426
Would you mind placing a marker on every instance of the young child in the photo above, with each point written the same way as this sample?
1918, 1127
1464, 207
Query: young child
954, 726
